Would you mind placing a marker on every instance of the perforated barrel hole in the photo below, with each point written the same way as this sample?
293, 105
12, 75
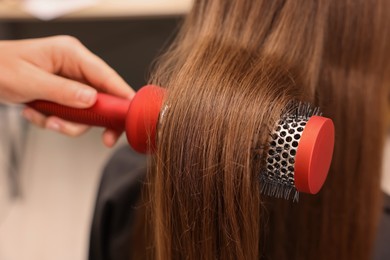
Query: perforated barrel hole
283, 149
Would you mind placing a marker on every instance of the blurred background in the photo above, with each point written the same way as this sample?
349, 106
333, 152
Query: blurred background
48, 182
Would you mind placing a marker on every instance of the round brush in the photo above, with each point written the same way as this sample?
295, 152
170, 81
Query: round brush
298, 158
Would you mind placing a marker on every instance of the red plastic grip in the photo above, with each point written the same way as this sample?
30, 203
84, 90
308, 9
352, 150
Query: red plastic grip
108, 111
138, 117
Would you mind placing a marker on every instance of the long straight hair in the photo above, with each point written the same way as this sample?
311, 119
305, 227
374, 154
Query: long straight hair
232, 69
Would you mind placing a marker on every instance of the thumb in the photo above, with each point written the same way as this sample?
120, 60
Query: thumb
61, 90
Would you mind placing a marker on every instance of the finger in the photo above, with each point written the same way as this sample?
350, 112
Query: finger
34, 117
65, 127
110, 137
104, 78
46, 86
54, 123
75, 61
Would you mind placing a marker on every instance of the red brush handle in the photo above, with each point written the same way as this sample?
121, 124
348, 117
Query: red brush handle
108, 111
111, 112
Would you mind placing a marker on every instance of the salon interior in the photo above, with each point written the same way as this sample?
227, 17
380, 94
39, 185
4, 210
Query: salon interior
49, 181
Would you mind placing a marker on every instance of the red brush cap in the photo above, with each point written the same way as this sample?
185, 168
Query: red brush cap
314, 154
142, 118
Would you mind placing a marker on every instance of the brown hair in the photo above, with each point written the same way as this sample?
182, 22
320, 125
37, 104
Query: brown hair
233, 68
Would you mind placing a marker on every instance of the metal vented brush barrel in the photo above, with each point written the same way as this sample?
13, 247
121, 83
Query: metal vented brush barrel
299, 154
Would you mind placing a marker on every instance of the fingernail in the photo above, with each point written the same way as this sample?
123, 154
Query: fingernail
110, 139
131, 96
113, 139
53, 125
87, 96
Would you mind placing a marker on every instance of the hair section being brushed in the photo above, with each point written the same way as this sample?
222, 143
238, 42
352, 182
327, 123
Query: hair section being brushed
233, 68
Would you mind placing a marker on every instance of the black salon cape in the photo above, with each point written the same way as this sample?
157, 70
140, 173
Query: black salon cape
114, 212
115, 209
382, 245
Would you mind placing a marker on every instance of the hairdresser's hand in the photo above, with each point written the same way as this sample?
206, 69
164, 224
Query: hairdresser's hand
58, 69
